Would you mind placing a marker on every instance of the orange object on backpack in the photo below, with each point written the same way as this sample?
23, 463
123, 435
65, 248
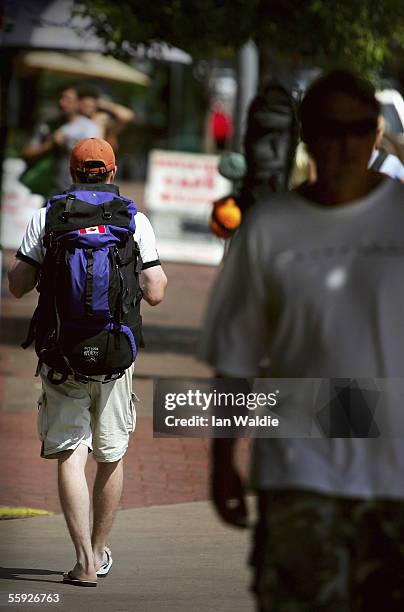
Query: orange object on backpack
226, 217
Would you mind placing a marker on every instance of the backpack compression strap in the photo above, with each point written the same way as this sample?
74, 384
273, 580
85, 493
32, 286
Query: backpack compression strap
70, 213
57, 378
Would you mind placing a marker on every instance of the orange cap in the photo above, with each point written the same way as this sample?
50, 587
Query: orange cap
92, 155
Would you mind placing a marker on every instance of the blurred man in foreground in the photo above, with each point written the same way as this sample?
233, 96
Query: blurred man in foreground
313, 283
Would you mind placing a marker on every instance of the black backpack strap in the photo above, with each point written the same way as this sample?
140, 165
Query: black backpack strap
139, 260
89, 281
108, 378
117, 310
31, 334
69, 201
379, 161
57, 378
43, 303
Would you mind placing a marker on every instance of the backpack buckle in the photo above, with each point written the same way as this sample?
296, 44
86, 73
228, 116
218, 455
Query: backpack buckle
106, 211
82, 378
68, 207
56, 378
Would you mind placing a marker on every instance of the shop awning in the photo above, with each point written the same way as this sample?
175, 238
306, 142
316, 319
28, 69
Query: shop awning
51, 24
83, 63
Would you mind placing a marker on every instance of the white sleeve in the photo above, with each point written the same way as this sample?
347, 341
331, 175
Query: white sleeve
31, 249
235, 334
144, 236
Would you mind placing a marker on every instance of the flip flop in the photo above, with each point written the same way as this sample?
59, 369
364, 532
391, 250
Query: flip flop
68, 578
104, 569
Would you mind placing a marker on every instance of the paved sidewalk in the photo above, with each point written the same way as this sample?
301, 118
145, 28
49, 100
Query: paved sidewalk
173, 558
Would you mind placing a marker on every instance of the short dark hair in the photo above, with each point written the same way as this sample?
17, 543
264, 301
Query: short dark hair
66, 86
337, 81
88, 91
91, 177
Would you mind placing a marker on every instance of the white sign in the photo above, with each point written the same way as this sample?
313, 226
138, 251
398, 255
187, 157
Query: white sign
184, 181
18, 205
179, 194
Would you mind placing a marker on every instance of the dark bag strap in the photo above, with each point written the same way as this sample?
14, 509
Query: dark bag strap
57, 378
44, 302
108, 378
31, 335
379, 161
69, 201
89, 281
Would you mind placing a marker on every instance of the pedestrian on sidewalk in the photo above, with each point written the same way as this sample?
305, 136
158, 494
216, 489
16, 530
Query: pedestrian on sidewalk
54, 140
110, 116
312, 285
79, 414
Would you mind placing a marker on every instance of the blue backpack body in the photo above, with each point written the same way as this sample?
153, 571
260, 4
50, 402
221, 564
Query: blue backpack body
87, 322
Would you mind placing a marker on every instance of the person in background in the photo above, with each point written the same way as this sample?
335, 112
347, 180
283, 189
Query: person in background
58, 137
110, 117
221, 126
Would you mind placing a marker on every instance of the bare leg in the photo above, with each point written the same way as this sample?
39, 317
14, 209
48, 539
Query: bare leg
74, 498
106, 495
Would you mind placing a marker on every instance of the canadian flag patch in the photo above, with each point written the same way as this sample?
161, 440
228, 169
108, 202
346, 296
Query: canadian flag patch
97, 229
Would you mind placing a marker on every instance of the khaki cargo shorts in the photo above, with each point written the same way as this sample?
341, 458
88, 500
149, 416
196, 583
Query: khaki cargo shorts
101, 416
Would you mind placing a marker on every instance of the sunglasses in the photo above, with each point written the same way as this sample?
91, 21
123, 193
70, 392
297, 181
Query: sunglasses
333, 128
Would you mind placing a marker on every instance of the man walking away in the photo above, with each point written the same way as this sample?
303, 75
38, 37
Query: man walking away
80, 413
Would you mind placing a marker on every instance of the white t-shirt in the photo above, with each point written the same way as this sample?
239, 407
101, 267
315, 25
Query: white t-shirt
73, 131
81, 127
32, 249
320, 293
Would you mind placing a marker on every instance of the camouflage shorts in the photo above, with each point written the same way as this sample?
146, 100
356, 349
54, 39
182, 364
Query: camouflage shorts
316, 553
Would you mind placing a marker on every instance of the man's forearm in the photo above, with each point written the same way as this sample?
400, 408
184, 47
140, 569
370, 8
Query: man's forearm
22, 278
37, 150
120, 112
153, 282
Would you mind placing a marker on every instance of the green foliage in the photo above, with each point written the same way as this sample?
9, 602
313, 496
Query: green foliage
360, 33
193, 25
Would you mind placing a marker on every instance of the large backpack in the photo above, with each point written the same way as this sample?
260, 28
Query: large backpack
87, 322
270, 142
